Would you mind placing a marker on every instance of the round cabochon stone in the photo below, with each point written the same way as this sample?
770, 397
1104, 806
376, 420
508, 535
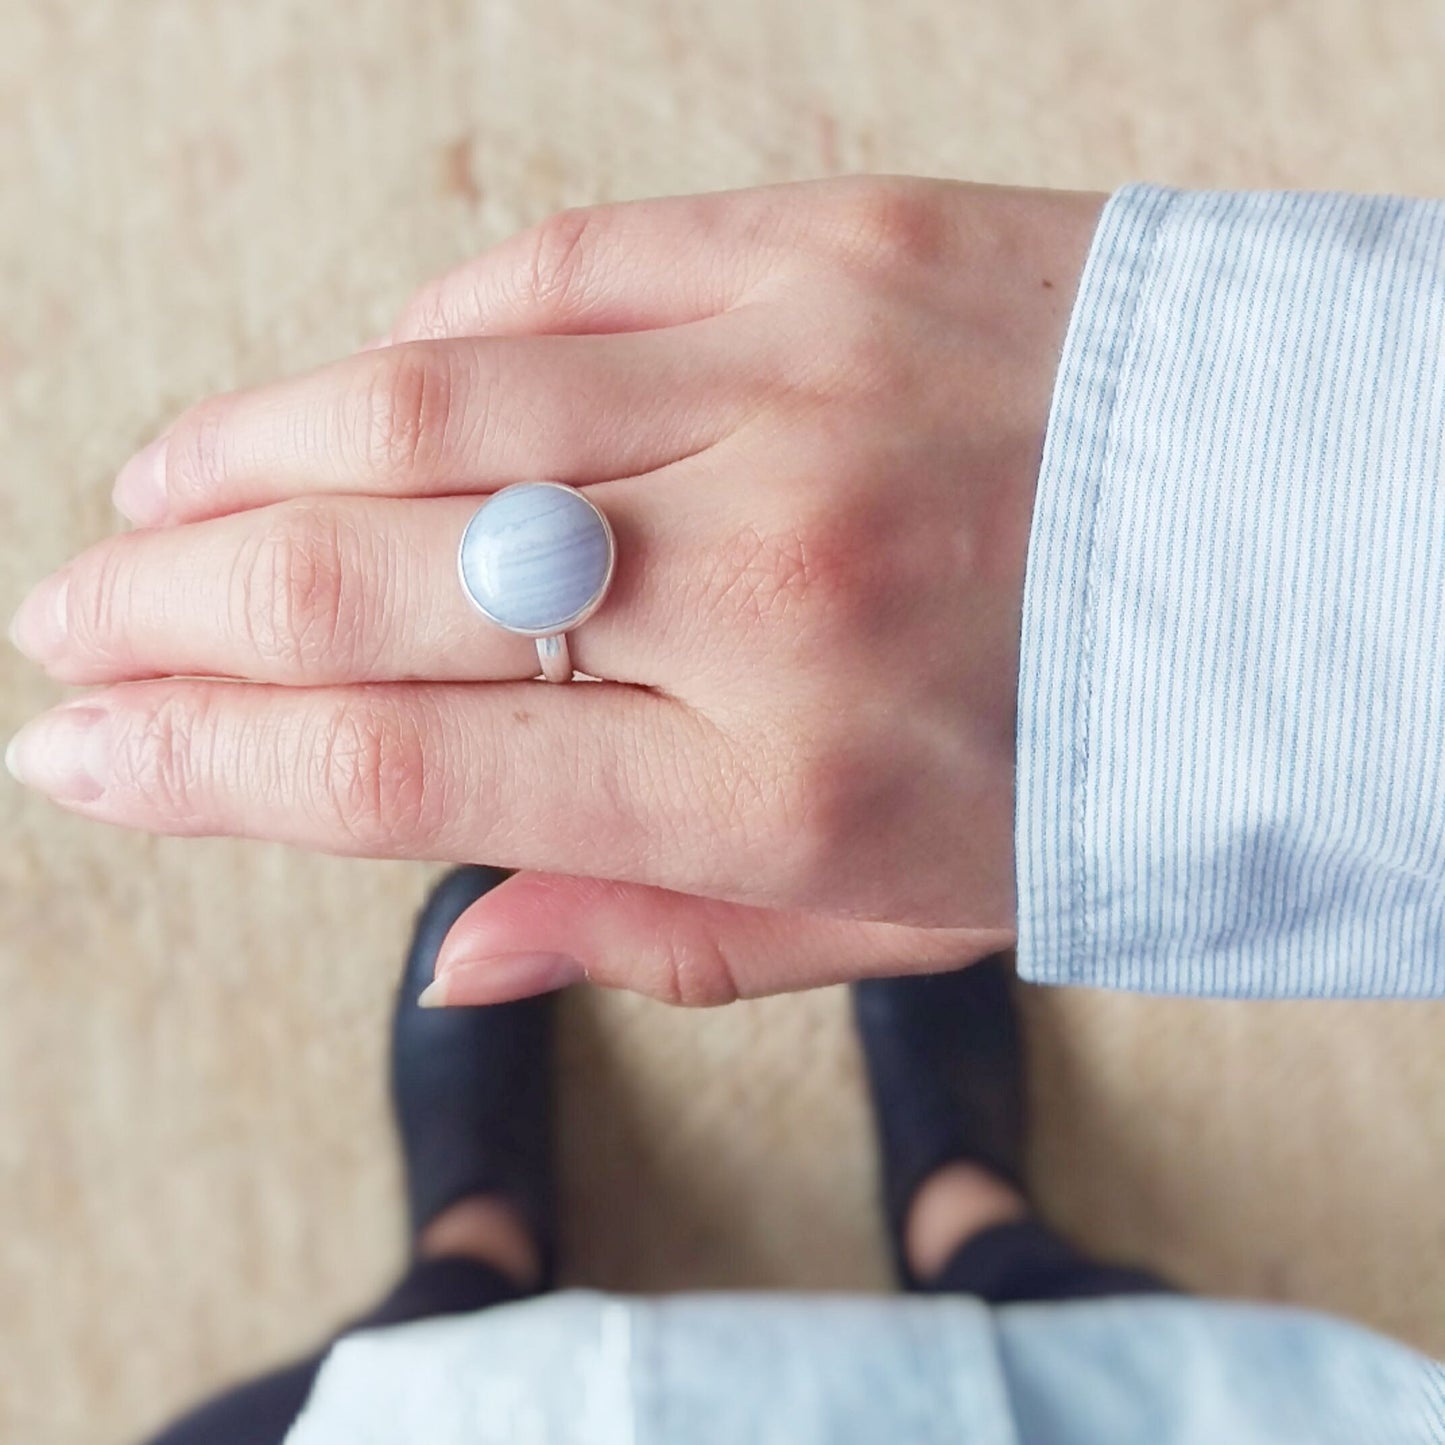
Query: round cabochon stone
536, 557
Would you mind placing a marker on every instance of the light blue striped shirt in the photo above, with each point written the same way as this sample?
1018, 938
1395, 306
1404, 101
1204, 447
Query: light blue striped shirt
1231, 761
1231, 781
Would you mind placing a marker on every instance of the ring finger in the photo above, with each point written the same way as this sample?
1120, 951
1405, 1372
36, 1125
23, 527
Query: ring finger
343, 590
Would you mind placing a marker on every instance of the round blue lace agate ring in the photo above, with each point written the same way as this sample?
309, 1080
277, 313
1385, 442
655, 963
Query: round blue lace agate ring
537, 559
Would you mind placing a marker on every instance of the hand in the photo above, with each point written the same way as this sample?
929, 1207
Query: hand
814, 415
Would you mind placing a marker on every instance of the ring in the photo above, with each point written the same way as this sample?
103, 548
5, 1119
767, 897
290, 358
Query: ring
536, 560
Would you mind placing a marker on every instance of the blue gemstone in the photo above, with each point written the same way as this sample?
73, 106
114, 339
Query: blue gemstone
536, 557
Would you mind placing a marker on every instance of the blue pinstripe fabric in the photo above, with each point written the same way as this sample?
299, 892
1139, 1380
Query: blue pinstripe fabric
1232, 690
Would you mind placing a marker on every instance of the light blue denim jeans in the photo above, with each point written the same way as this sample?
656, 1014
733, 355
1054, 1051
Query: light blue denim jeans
588, 1369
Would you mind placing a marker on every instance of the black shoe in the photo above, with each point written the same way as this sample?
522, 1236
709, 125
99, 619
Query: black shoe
472, 1087
945, 1071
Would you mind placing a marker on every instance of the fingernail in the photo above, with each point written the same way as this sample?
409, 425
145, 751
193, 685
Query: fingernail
63, 754
39, 627
140, 489
502, 979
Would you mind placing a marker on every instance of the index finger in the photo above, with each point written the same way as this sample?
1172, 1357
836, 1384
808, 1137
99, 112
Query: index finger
640, 265
628, 266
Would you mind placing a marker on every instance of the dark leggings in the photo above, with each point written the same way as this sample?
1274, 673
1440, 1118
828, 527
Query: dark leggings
1026, 1261
1008, 1264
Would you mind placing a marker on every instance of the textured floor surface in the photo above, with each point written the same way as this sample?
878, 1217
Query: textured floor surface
195, 1174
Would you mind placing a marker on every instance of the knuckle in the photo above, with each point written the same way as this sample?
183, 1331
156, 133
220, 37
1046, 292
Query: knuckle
887, 224
164, 758
817, 817
300, 606
98, 601
556, 254
370, 778
410, 404
195, 457
800, 803
430, 315
759, 798
696, 973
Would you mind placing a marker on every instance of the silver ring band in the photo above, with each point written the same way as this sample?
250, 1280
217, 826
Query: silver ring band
555, 657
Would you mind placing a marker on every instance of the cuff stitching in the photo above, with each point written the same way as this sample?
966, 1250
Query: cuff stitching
1083, 914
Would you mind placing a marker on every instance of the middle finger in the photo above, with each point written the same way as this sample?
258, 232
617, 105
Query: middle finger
439, 418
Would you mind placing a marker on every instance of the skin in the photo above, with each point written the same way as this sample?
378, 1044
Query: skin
488, 1229
814, 414
951, 1206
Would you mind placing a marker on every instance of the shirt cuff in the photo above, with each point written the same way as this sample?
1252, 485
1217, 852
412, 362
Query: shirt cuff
1232, 669
1055, 661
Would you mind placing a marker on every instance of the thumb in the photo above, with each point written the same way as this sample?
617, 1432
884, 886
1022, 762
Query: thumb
540, 931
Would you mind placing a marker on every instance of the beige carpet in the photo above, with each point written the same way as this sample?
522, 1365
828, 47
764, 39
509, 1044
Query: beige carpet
195, 1174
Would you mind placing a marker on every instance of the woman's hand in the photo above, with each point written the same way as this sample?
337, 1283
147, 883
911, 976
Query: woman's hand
814, 416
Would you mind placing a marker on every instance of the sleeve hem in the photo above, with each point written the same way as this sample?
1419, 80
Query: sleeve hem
1056, 653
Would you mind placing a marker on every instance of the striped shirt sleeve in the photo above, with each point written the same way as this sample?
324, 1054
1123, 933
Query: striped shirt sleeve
1231, 736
